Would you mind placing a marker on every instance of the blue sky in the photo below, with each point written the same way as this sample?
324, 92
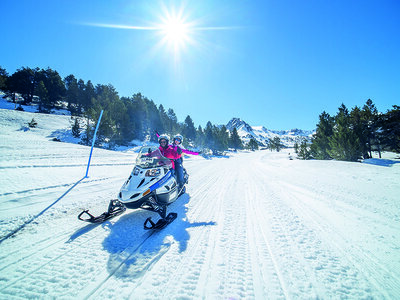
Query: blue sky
278, 64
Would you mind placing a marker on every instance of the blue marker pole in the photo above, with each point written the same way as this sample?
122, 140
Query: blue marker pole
94, 139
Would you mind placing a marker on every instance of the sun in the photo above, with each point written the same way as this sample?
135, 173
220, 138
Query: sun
178, 35
175, 31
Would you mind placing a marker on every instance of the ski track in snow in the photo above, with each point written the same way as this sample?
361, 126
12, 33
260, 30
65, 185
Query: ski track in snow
251, 226
268, 239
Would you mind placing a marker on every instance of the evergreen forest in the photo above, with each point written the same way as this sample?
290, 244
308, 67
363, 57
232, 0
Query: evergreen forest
349, 135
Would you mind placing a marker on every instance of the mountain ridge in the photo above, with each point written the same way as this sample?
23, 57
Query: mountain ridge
263, 135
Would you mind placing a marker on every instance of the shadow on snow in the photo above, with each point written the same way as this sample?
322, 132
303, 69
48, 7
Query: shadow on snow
133, 250
381, 162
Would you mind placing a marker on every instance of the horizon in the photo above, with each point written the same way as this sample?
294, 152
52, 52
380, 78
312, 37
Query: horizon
280, 65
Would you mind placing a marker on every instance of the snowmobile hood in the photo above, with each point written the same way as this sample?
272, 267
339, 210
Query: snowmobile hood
151, 172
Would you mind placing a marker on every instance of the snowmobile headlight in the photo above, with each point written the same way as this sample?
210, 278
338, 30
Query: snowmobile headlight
136, 171
153, 172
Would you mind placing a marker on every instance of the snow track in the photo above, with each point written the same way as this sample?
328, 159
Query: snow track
378, 273
251, 226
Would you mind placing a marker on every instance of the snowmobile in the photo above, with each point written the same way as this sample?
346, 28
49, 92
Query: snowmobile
151, 186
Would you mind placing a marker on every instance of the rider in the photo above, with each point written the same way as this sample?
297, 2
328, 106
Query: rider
167, 150
178, 139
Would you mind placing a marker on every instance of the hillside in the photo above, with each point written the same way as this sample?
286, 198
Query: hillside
252, 225
246, 132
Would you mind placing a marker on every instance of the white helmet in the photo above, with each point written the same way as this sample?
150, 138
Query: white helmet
163, 137
178, 137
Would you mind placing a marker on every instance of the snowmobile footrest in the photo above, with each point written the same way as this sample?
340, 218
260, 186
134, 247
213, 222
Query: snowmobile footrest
163, 222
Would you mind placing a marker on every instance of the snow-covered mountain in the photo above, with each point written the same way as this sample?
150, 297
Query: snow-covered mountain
264, 135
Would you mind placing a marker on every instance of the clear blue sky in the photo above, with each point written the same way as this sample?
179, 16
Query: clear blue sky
273, 63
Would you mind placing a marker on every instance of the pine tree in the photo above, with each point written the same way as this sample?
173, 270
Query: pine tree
54, 85
44, 102
189, 131
164, 120
320, 146
275, 144
154, 120
304, 150
209, 136
252, 145
87, 93
24, 82
87, 137
391, 129
344, 143
221, 137
172, 121
358, 127
139, 115
235, 141
72, 93
3, 79
296, 147
200, 137
76, 129
370, 123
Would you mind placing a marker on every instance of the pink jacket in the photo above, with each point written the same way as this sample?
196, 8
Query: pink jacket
170, 153
183, 149
188, 152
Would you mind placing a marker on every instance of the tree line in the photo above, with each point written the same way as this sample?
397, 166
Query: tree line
124, 118
349, 135
353, 135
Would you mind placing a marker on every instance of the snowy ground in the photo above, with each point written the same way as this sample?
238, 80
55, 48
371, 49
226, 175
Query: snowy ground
252, 225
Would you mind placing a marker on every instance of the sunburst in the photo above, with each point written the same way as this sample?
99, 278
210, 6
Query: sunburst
174, 30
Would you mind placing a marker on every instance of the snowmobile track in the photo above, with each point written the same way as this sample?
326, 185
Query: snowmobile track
387, 278
109, 274
196, 252
51, 247
266, 241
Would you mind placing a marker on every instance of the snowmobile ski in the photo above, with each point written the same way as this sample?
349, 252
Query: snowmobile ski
115, 208
162, 223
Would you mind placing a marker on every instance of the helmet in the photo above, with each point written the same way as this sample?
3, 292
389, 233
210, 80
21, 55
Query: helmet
163, 137
178, 137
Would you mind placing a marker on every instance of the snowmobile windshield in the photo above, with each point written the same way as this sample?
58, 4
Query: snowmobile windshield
151, 157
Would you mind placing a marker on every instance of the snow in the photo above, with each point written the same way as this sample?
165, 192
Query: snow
252, 225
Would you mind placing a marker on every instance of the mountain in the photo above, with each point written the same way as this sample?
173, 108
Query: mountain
264, 135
